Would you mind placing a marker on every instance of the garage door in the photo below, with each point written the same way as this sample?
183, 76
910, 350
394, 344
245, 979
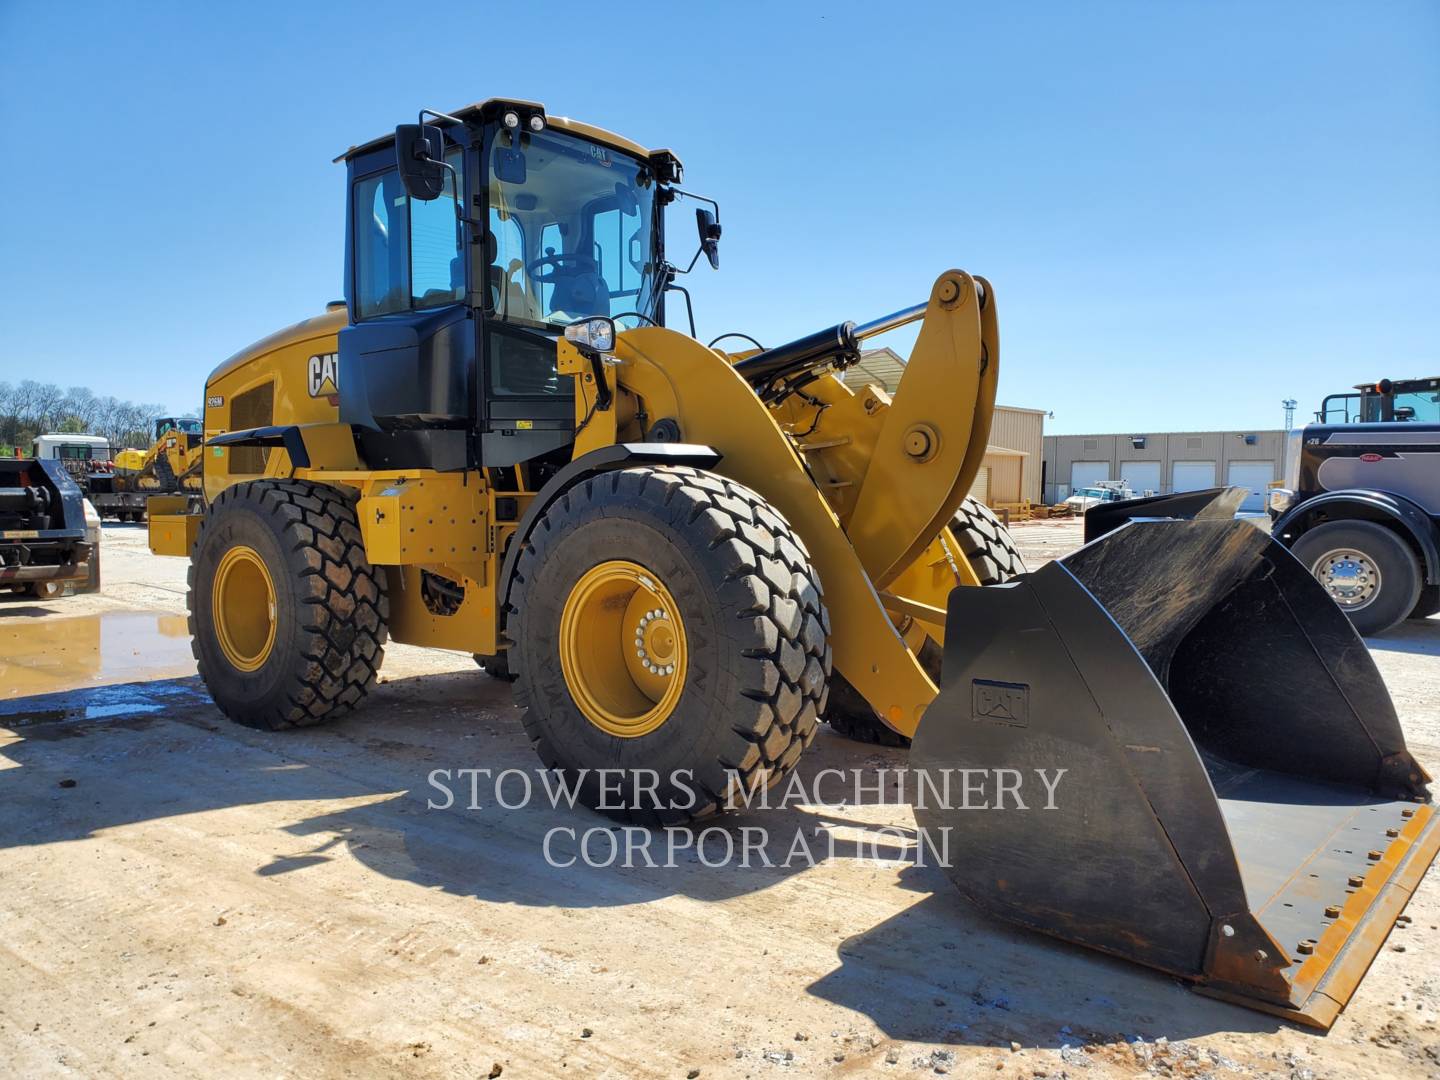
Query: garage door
1254, 475
1085, 473
1192, 475
1143, 476
980, 489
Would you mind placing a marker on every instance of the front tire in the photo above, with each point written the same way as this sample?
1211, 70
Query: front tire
1368, 570
287, 616
667, 620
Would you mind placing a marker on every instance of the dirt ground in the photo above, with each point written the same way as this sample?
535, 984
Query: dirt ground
179, 895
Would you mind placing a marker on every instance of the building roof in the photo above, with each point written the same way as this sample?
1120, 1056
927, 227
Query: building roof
885, 366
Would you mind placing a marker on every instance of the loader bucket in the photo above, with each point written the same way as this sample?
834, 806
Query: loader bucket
1238, 806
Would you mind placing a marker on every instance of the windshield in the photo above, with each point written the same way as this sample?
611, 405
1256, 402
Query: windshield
82, 452
1423, 405
573, 228
1092, 493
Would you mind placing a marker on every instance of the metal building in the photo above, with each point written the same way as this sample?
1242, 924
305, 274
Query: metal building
1166, 462
1010, 474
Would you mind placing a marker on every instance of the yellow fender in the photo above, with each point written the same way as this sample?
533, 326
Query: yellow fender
675, 376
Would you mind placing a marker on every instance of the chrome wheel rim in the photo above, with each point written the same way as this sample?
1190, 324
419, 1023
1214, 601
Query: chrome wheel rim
1350, 577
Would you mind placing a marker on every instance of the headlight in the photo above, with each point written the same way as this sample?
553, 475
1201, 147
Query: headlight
597, 333
511, 119
1280, 500
537, 123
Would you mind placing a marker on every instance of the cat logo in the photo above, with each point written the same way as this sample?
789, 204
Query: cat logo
1000, 702
324, 375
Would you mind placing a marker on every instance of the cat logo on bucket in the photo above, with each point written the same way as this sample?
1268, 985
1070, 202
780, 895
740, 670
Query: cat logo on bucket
324, 375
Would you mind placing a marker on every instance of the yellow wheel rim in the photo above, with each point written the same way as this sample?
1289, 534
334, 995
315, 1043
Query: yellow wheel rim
242, 604
622, 649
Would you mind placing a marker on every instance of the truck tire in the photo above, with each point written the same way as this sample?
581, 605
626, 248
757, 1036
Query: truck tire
667, 619
1367, 569
1428, 604
287, 616
991, 552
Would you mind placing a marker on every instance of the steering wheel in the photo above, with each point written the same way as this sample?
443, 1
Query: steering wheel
561, 266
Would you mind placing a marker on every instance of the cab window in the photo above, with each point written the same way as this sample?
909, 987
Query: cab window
407, 252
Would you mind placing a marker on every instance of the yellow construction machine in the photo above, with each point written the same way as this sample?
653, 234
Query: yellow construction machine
170, 466
687, 558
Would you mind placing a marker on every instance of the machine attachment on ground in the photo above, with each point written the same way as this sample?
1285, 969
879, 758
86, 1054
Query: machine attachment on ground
1237, 804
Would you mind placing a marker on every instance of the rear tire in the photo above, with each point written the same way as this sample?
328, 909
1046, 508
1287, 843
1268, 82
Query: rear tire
745, 633
295, 548
1368, 570
497, 666
990, 550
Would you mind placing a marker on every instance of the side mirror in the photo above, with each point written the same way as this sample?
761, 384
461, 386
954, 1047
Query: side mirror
709, 230
419, 156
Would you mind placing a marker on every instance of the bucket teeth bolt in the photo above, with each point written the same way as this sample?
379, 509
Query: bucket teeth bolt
1306, 947
1373, 856
1392, 832
1356, 881
1332, 912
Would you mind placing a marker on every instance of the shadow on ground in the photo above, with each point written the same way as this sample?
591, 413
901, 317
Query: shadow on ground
100, 758
1418, 636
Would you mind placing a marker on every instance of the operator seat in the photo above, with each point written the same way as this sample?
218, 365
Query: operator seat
507, 296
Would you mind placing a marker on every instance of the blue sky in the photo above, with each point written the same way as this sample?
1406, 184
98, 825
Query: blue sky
1189, 211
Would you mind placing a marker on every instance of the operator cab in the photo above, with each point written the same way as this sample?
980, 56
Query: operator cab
1385, 401
184, 425
474, 239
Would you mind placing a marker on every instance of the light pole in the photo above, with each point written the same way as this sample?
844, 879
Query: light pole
1289, 404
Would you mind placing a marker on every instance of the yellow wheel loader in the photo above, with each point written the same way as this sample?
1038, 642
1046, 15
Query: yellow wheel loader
686, 557
171, 465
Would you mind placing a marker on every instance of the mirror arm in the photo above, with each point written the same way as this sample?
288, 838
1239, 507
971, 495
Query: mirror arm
670, 286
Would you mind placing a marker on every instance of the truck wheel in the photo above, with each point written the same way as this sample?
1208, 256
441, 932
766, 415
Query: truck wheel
991, 552
1428, 604
47, 590
287, 616
1366, 568
668, 625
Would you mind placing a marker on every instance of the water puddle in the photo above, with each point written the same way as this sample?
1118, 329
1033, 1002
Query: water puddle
49, 655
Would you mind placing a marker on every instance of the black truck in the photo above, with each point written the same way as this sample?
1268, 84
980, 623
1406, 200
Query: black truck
1363, 515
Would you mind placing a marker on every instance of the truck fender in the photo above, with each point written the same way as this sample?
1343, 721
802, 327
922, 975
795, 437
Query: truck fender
1383, 507
605, 459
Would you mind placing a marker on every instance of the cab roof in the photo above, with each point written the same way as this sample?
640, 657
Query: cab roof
478, 110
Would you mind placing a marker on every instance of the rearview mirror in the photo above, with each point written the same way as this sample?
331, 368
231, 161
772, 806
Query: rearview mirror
509, 164
626, 199
709, 230
419, 157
